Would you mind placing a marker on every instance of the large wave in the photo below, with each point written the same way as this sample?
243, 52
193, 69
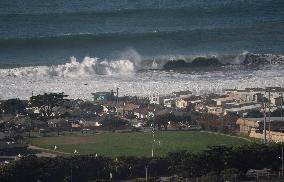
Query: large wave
131, 61
88, 66
245, 58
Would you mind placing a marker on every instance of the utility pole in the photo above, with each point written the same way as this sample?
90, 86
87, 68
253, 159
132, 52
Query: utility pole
282, 159
281, 106
71, 175
153, 136
146, 173
117, 96
264, 120
269, 123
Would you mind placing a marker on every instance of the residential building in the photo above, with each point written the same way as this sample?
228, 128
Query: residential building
160, 99
144, 113
242, 110
183, 94
215, 110
104, 96
127, 109
169, 102
254, 127
221, 102
246, 95
181, 103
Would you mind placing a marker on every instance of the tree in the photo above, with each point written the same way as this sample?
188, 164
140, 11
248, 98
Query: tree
254, 114
163, 120
46, 102
90, 107
14, 106
113, 123
181, 121
228, 123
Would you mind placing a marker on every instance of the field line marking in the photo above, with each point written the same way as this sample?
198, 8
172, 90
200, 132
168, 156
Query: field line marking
217, 133
47, 150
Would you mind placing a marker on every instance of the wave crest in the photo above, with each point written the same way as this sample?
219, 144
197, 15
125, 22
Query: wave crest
131, 61
88, 66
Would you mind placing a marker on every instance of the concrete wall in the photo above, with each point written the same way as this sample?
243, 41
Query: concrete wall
272, 136
246, 125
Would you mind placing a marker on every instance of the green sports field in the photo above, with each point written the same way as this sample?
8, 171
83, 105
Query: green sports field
137, 143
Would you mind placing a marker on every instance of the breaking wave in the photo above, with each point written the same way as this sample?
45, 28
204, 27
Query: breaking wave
131, 62
246, 59
88, 66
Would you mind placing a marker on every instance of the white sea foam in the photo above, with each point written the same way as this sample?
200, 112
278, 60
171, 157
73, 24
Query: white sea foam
80, 79
137, 83
88, 66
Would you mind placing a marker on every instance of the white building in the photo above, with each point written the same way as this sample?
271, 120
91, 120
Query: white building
160, 99
243, 109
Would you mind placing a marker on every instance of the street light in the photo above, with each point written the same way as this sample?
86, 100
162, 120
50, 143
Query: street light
282, 159
281, 106
264, 119
71, 175
153, 136
282, 164
146, 173
154, 141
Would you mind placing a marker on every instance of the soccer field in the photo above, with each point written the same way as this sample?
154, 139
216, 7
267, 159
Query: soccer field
136, 143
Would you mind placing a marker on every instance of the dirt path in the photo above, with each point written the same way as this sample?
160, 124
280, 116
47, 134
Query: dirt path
47, 152
216, 133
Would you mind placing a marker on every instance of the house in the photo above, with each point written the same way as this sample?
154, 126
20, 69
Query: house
254, 127
221, 102
144, 113
57, 122
247, 124
255, 94
198, 105
243, 109
246, 95
169, 102
90, 122
182, 94
169, 99
127, 109
182, 103
216, 110
274, 92
160, 99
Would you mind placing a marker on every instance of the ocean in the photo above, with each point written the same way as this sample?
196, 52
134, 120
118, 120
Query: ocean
79, 47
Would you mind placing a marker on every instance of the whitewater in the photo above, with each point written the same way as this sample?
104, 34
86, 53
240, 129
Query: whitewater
126, 44
79, 79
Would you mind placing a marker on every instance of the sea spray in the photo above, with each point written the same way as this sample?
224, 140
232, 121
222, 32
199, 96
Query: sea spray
89, 66
130, 61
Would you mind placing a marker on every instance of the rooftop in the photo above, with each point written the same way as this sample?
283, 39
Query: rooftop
272, 119
244, 108
187, 92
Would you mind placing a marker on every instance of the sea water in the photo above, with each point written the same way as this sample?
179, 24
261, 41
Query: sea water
80, 47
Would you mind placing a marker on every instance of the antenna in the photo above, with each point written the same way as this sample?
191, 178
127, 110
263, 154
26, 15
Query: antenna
117, 95
264, 119
269, 123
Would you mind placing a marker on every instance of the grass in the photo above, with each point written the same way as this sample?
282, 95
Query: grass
136, 144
